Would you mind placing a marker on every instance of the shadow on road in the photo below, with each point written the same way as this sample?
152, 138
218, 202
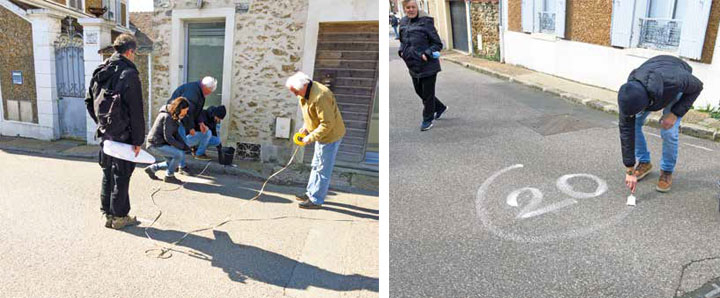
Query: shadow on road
233, 190
242, 262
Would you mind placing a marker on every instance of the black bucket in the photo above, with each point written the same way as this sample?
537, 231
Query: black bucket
226, 155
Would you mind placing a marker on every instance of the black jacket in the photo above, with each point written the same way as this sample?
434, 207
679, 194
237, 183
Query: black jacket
209, 116
418, 36
125, 81
664, 77
165, 131
193, 92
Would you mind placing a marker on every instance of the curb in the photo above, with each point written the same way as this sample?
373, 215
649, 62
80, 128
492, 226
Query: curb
216, 168
690, 129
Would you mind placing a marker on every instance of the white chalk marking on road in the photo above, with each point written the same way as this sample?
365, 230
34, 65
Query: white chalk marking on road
699, 147
530, 209
513, 196
654, 135
144, 220
485, 219
548, 208
616, 123
563, 185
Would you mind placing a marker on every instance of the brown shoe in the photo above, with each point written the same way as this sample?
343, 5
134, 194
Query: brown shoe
665, 182
121, 222
642, 170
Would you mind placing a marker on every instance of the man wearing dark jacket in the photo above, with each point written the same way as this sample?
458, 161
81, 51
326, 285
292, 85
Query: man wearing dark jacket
195, 93
118, 75
419, 48
212, 116
661, 83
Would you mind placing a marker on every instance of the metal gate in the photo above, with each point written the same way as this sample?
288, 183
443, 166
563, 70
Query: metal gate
459, 25
70, 81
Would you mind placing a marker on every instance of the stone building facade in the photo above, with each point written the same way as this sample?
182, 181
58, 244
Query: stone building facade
265, 42
39, 66
19, 101
484, 19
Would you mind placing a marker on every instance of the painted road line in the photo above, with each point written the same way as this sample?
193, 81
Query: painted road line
699, 147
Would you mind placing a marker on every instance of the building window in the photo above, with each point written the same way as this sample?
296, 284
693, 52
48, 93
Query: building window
671, 25
76, 4
546, 17
662, 26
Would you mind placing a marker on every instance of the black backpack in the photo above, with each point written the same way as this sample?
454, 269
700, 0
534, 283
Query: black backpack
113, 119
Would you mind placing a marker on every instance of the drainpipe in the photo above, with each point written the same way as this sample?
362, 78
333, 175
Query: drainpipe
149, 121
469, 26
501, 29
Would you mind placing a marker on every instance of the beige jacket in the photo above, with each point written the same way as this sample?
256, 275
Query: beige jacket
321, 115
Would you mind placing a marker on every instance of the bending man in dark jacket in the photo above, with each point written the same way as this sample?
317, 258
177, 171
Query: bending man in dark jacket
213, 117
195, 93
419, 48
661, 83
119, 74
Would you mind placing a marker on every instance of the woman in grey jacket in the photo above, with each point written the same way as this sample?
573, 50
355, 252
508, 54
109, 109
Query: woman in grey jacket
164, 140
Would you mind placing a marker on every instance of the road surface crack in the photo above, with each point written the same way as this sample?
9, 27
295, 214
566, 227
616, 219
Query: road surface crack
684, 267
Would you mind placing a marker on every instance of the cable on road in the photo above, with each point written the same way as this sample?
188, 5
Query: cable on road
164, 251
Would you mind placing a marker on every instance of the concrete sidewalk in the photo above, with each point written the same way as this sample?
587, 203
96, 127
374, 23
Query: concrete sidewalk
694, 123
347, 180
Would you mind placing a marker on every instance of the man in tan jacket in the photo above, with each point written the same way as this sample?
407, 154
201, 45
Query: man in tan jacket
323, 125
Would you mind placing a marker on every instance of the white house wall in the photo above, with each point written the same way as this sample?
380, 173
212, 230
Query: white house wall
601, 66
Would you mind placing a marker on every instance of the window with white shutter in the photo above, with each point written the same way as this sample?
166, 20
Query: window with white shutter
527, 15
693, 37
622, 19
544, 16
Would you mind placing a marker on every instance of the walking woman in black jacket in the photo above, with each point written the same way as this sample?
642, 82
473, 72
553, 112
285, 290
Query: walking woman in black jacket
420, 47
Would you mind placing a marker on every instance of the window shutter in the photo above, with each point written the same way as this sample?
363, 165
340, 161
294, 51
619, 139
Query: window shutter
527, 15
692, 35
560, 18
622, 19
537, 8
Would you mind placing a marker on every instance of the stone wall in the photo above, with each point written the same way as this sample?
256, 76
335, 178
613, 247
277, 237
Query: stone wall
589, 21
485, 21
16, 43
267, 49
515, 15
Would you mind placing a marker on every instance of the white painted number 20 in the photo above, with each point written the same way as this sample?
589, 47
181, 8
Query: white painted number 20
533, 208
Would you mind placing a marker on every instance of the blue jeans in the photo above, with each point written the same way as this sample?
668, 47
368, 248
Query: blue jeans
174, 157
396, 32
322, 166
670, 140
201, 140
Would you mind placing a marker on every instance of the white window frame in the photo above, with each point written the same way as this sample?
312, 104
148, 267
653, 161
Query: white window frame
672, 9
533, 24
692, 35
177, 49
81, 8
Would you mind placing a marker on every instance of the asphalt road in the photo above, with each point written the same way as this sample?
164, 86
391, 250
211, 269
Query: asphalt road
481, 205
53, 242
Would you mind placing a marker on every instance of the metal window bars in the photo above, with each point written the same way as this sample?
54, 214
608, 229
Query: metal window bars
546, 21
661, 34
